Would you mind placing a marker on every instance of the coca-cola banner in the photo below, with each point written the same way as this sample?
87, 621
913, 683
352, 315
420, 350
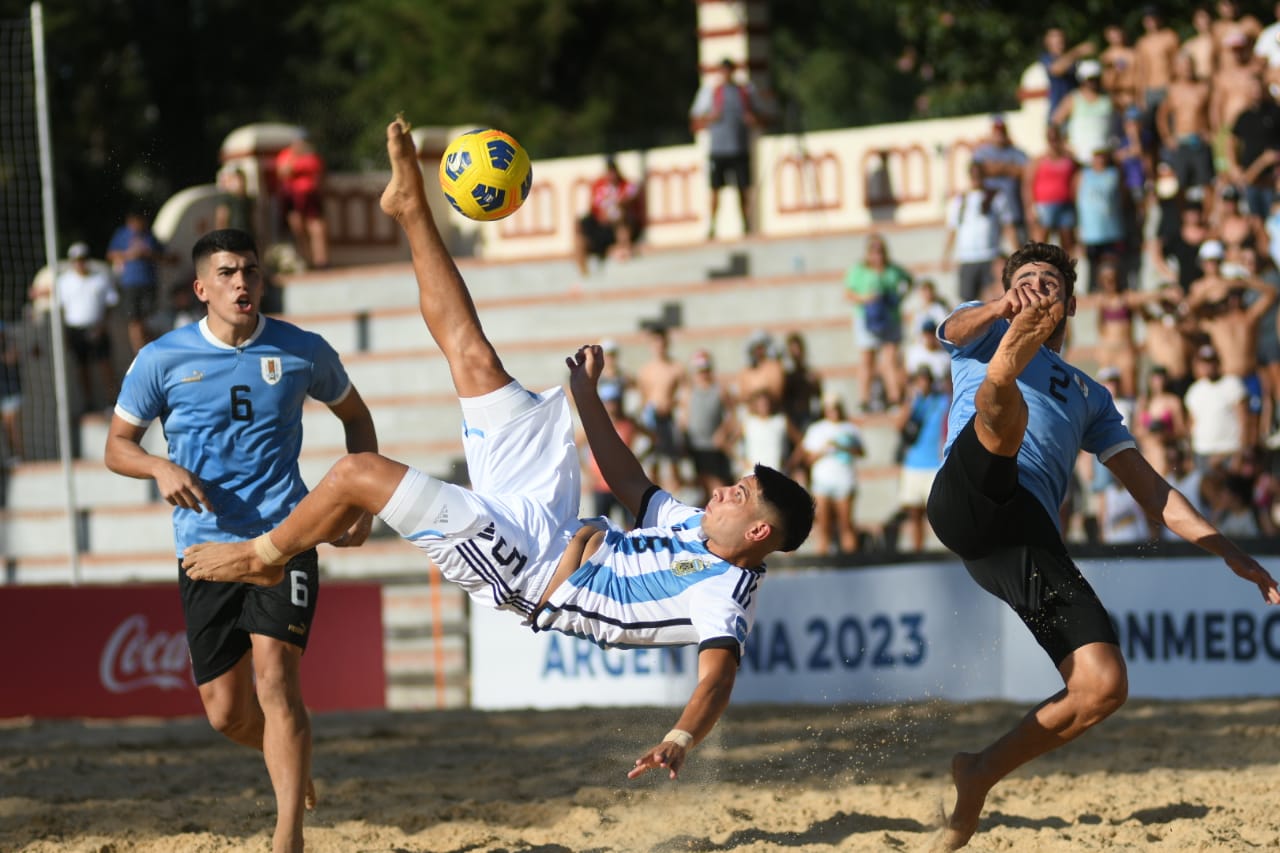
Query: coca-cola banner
122, 651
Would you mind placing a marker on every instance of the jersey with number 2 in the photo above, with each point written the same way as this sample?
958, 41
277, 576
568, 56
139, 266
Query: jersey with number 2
1067, 411
233, 417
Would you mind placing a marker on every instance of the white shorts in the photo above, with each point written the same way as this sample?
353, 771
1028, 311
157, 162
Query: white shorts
832, 480
914, 486
501, 539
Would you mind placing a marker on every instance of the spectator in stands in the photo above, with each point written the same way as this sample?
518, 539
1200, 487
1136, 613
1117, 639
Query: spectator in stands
1230, 499
1060, 65
235, 206
1269, 354
1233, 93
1121, 520
729, 110
11, 394
1232, 29
926, 351
300, 171
613, 375
1168, 328
977, 221
709, 425
1154, 53
1003, 166
1184, 246
830, 449
1119, 68
801, 385
766, 435
1159, 418
1183, 122
134, 253
1103, 208
613, 223
1187, 479
659, 382
763, 372
1087, 114
922, 425
1200, 47
1134, 162
1267, 49
1236, 228
923, 304
875, 286
1217, 408
1254, 149
86, 296
1116, 308
1050, 187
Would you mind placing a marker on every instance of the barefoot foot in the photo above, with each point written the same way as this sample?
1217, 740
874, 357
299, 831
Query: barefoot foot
970, 797
405, 193
1028, 331
229, 561
310, 799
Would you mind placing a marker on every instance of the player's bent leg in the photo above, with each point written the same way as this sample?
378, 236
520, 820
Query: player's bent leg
286, 741
358, 482
1001, 411
231, 704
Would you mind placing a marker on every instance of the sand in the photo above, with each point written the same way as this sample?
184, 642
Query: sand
1201, 775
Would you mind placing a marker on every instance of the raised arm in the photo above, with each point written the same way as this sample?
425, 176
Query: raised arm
967, 324
717, 669
622, 471
1165, 504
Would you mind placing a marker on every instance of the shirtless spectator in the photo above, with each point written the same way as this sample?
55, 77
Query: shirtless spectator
1232, 91
1267, 49
1231, 29
1230, 319
1119, 73
1168, 328
764, 372
1060, 64
1201, 47
1183, 124
1153, 61
1255, 149
659, 381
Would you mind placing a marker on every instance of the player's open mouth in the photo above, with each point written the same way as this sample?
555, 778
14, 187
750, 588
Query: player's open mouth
244, 304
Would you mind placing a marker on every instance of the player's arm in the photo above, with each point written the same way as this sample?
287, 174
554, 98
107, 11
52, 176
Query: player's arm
1165, 504
622, 471
125, 455
968, 324
362, 437
717, 669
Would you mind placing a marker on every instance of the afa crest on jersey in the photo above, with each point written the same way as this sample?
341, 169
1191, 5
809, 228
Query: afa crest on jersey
690, 566
272, 369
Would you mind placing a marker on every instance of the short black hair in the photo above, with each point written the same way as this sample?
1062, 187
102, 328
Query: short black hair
1043, 253
791, 501
223, 240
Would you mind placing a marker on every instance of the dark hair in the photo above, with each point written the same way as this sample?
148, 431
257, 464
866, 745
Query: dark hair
791, 501
222, 240
1044, 253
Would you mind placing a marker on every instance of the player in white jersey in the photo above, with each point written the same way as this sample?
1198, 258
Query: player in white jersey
514, 541
229, 392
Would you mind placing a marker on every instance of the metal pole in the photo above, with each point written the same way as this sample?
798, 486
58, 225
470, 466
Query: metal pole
55, 314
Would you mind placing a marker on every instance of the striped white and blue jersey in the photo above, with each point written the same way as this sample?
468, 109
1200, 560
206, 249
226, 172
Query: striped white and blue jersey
657, 585
1067, 411
233, 417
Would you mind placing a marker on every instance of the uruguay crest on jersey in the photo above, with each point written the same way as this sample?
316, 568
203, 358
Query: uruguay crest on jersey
272, 369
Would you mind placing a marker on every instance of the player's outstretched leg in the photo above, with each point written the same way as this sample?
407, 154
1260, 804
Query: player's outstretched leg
445, 303
1001, 411
358, 482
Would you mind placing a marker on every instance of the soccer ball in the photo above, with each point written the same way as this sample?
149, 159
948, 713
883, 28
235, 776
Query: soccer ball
485, 174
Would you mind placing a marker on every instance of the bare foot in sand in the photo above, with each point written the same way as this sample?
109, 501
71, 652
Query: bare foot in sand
405, 194
229, 561
1031, 327
970, 797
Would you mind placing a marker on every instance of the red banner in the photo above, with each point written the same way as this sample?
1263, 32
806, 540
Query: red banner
95, 651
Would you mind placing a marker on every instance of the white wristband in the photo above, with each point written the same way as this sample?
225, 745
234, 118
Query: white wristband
679, 736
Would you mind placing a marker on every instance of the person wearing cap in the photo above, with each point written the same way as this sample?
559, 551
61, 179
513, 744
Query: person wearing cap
1182, 120
1003, 165
1217, 411
1087, 113
86, 295
612, 223
1254, 149
729, 111
1210, 255
1020, 416
1200, 47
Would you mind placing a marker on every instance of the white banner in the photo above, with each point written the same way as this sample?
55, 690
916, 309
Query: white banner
1188, 628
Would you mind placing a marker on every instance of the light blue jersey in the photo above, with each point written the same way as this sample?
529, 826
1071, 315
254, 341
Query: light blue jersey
233, 417
1067, 411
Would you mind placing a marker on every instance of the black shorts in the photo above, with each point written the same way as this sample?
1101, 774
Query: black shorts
1012, 548
139, 302
712, 463
599, 235
221, 616
722, 165
89, 345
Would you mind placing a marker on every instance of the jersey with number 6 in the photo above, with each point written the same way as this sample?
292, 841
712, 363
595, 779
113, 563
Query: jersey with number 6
233, 417
1067, 411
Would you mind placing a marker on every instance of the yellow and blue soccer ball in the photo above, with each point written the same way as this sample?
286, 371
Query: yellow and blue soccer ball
485, 174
